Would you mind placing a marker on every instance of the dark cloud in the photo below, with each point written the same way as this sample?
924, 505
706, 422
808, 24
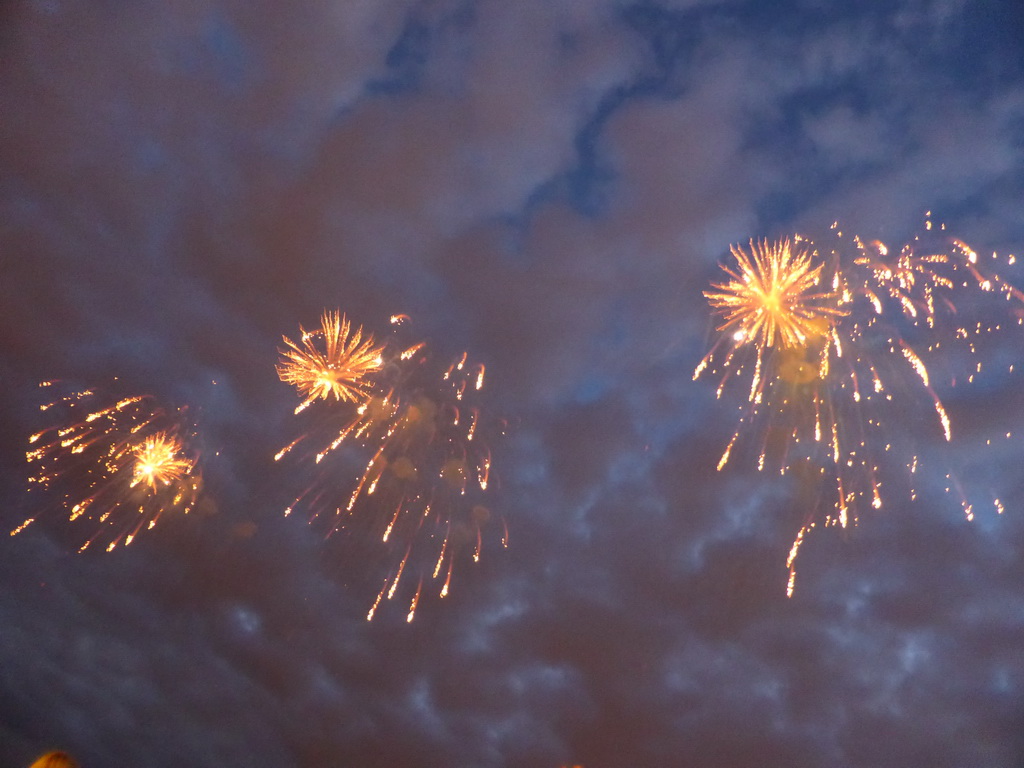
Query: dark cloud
548, 185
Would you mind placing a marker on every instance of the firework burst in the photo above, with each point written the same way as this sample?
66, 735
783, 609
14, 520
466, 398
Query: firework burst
772, 298
404, 464
837, 346
333, 361
121, 464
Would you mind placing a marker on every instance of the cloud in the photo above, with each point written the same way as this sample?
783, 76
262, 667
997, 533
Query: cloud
550, 186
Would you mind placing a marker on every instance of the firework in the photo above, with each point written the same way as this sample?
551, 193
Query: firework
837, 347
772, 299
121, 464
402, 463
333, 361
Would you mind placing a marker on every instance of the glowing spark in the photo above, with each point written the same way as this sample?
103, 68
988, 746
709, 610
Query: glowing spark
728, 450
915, 361
401, 570
447, 580
414, 603
440, 558
794, 550
380, 596
23, 526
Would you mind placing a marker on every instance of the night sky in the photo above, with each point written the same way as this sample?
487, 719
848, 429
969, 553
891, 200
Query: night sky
549, 185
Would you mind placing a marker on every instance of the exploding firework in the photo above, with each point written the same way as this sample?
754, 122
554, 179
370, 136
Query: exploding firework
121, 464
837, 347
772, 298
403, 463
333, 361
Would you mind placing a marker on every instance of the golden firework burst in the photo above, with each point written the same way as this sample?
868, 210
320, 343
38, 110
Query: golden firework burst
846, 346
120, 463
339, 370
418, 499
159, 462
772, 298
